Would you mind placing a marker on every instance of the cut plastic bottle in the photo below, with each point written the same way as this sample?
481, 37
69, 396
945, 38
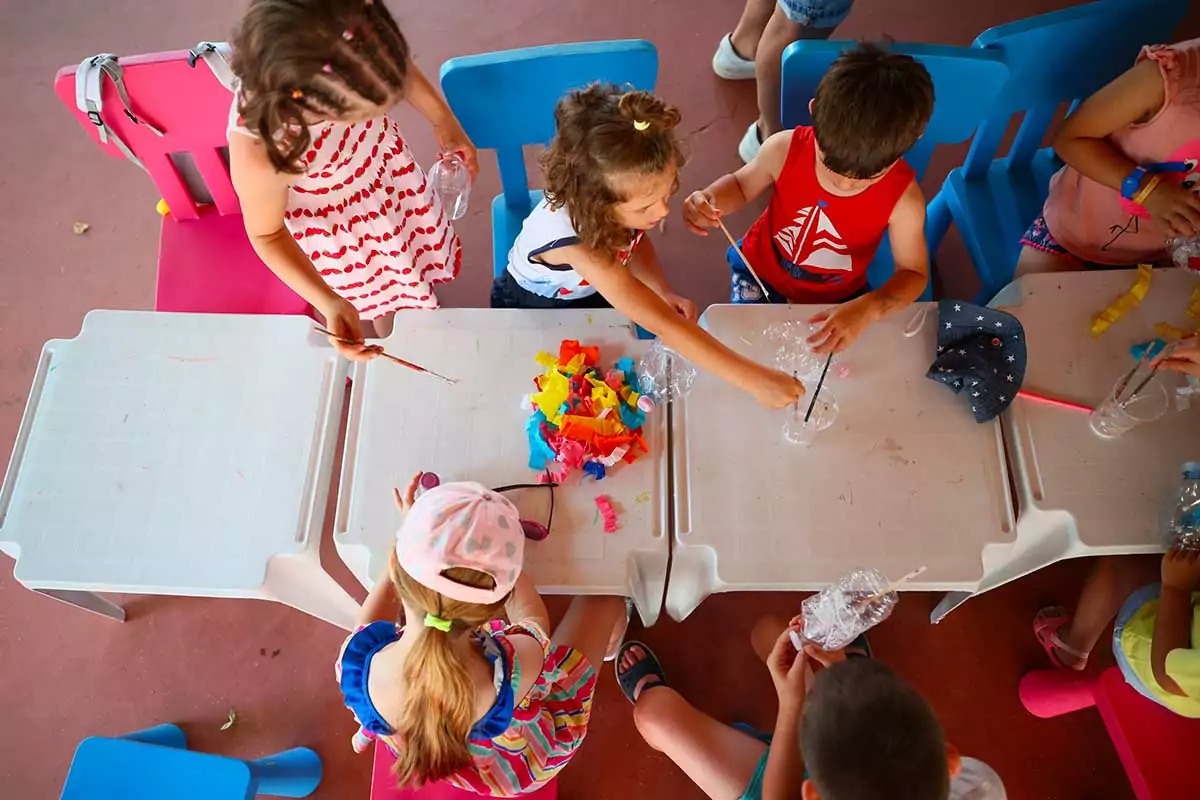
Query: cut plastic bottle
451, 179
664, 375
840, 613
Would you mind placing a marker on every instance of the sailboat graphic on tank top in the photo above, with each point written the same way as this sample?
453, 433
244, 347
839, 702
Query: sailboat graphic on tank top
813, 241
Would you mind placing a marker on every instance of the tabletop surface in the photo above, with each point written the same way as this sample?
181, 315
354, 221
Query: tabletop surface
402, 422
904, 478
169, 453
1115, 489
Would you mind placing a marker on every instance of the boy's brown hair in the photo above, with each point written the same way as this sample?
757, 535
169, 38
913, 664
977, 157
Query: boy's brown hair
605, 132
869, 109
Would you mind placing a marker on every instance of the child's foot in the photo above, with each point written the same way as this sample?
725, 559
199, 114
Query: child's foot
618, 635
637, 670
731, 65
751, 143
1048, 628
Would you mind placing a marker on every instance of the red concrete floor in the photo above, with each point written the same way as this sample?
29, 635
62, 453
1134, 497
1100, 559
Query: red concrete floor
67, 674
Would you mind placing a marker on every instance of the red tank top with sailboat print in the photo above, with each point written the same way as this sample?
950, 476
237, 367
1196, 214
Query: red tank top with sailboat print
812, 246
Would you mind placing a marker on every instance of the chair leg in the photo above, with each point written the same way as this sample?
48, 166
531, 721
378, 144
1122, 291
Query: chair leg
292, 773
1049, 693
165, 735
88, 601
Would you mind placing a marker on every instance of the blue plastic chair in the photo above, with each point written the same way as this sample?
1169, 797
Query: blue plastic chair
155, 763
964, 83
1056, 58
506, 101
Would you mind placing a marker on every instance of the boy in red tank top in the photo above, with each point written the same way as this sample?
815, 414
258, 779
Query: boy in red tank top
839, 185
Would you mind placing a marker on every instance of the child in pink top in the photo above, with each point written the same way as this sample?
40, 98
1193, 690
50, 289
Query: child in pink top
1131, 178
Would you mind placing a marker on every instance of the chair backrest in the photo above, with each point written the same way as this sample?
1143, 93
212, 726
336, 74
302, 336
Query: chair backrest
1062, 57
964, 83
191, 108
506, 100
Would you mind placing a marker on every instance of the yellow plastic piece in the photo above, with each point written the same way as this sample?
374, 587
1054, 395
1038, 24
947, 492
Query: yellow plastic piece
161, 207
1125, 303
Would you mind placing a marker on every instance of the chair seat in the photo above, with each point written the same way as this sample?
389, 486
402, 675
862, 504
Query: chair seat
383, 784
993, 213
122, 769
506, 224
208, 266
1157, 746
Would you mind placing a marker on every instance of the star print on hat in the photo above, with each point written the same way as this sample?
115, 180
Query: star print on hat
980, 355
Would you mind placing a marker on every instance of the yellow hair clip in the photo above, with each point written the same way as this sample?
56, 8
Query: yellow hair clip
443, 625
640, 125
297, 94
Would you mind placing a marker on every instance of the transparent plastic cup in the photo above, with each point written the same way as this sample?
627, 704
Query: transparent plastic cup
451, 179
824, 413
1112, 418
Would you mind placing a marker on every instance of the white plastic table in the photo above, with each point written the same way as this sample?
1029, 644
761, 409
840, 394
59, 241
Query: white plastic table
904, 478
1079, 494
402, 422
181, 454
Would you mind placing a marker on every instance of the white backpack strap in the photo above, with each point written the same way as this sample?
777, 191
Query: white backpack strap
216, 55
89, 98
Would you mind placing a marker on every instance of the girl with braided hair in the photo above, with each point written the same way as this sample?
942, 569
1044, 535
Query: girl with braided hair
333, 201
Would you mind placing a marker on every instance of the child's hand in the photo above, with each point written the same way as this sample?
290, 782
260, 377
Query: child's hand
404, 502
774, 389
453, 139
1181, 569
341, 317
683, 307
788, 669
1184, 359
1175, 209
843, 324
700, 212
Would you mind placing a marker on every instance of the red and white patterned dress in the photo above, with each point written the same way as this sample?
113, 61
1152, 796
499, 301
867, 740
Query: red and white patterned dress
368, 219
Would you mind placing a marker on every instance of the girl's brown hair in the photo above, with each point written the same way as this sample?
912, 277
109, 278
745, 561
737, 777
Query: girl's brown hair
313, 58
605, 132
439, 697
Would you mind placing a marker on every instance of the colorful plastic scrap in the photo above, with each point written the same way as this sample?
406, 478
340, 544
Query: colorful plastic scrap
582, 418
1125, 303
607, 513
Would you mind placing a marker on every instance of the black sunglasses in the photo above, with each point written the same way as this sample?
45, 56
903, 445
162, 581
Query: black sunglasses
534, 531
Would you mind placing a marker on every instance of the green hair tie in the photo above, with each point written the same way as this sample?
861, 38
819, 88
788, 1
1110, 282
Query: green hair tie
442, 625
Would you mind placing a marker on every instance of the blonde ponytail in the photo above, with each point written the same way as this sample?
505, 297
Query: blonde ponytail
439, 695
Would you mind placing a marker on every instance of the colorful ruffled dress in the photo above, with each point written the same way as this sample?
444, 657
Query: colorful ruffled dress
516, 747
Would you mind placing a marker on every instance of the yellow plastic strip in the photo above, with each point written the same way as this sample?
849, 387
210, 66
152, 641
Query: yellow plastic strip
1125, 303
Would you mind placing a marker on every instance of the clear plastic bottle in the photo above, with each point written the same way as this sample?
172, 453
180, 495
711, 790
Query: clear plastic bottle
1183, 526
1185, 252
664, 375
840, 613
451, 179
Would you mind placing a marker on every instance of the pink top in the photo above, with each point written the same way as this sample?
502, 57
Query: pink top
1086, 217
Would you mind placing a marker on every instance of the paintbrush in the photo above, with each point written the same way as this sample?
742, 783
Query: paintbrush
738, 249
817, 392
388, 356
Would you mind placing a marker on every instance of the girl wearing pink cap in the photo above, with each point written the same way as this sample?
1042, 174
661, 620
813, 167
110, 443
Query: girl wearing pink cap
459, 694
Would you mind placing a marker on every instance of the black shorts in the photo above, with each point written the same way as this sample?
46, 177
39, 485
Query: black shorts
507, 293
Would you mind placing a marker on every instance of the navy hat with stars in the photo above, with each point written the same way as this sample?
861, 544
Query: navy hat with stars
980, 355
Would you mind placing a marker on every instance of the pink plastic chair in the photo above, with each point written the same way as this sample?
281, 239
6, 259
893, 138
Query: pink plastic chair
383, 785
1156, 746
205, 261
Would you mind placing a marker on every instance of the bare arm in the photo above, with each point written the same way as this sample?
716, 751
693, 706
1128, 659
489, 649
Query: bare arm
783, 776
382, 602
644, 266
1173, 621
429, 103
729, 193
526, 604
1135, 96
638, 301
263, 193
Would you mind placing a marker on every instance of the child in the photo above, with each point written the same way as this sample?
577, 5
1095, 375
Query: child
1156, 639
333, 201
460, 695
838, 187
1130, 180
610, 172
854, 731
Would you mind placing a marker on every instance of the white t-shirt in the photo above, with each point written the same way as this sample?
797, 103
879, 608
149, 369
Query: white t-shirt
547, 229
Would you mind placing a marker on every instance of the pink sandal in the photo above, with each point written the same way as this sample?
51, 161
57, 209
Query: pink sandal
1046, 625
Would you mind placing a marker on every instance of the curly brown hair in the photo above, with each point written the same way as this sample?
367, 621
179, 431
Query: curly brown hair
322, 58
605, 132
